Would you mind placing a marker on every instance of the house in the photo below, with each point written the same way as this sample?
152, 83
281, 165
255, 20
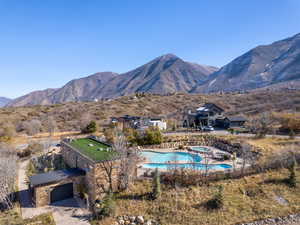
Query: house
136, 122
234, 121
154, 122
86, 158
205, 115
126, 121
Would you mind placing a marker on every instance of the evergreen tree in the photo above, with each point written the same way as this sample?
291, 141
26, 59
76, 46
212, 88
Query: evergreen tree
292, 180
156, 185
90, 128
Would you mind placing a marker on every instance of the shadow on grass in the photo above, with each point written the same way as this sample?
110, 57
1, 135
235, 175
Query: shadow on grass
209, 205
284, 181
141, 197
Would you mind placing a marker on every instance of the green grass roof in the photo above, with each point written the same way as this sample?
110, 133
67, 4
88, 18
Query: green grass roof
93, 149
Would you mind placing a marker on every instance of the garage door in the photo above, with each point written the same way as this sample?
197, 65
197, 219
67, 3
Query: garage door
62, 192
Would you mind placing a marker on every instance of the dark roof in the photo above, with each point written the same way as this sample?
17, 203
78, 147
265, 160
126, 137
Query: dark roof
236, 118
212, 105
54, 176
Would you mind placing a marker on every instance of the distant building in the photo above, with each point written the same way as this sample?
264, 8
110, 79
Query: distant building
211, 114
136, 122
234, 121
205, 115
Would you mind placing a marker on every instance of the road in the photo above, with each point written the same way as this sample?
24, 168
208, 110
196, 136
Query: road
224, 133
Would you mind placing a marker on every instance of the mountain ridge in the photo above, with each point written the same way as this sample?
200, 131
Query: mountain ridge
276, 65
164, 74
4, 101
259, 67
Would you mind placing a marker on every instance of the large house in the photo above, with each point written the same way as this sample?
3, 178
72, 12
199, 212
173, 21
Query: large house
206, 115
211, 114
85, 159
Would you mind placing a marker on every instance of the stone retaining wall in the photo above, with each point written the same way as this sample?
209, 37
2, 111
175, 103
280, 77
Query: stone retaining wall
205, 140
287, 220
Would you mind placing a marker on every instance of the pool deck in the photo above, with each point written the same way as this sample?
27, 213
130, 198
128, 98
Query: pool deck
206, 158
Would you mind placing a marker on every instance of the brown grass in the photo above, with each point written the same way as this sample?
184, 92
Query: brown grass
186, 206
69, 115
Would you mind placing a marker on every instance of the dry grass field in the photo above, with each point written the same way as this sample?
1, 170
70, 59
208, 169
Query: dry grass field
248, 199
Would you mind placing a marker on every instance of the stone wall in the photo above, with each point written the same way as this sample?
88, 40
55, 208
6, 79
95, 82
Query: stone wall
42, 194
287, 220
95, 173
205, 140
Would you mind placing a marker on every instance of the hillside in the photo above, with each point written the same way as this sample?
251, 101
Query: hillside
262, 66
165, 74
69, 115
76, 90
4, 101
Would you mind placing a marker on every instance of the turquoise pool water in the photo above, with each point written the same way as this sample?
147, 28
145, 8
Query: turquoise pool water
200, 149
161, 157
197, 166
159, 160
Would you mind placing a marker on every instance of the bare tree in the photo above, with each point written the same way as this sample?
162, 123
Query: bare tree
128, 160
105, 183
51, 125
32, 127
120, 167
85, 120
263, 125
8, 174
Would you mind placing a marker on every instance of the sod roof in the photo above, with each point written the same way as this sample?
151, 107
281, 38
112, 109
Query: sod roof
94, 150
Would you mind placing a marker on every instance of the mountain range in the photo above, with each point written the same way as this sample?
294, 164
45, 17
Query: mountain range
275, 65
4, 101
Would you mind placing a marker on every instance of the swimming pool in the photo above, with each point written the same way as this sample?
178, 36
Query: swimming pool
197, 166
200, 149
161, 157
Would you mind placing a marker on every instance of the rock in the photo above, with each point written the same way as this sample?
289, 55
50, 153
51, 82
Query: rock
149, 222
132, 219
140, 220
121, 222
132, 223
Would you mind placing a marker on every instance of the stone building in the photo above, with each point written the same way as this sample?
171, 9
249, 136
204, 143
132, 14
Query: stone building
89, 161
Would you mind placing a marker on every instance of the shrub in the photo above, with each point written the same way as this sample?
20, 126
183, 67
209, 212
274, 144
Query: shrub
90, 128
25, 153
106, 208
151, 136
217, 202
156, 192
292, 180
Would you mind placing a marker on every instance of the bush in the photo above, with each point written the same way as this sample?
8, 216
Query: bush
106, 208
292, 180
218, 200
90, 128
25, 153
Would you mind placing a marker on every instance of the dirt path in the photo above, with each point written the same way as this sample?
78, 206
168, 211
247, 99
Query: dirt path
66, 212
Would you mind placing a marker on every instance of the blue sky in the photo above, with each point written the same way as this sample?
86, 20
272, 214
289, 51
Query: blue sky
47, 43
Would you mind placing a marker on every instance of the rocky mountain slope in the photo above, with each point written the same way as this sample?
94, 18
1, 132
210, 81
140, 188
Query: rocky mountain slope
268, 66
4, 101
165, 74
262, 66
76, 90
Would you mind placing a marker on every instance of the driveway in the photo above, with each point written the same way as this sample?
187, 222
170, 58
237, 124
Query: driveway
69, 211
